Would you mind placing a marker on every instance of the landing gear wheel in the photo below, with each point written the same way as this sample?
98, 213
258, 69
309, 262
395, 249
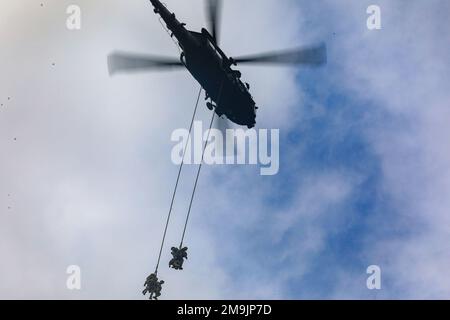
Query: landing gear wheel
210, 106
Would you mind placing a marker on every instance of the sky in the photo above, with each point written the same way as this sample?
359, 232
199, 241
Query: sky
86, 175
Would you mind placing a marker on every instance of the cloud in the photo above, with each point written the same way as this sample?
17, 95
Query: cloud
401, 73
364, 164
88, 180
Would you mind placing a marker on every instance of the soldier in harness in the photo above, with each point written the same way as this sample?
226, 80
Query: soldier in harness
153, 286
178, 258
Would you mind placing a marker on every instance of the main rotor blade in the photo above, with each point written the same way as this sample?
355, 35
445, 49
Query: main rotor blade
129, 62
214, 14
313, 56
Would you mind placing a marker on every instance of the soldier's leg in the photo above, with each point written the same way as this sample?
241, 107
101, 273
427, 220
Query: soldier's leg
181, 263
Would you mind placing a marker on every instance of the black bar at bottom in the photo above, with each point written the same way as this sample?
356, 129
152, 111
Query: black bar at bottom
222, 309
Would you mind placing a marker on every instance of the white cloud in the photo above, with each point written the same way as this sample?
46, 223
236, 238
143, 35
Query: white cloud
89, 176
403, 69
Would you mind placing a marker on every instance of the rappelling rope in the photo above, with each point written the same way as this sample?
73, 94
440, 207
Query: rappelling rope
177, 182
200, 166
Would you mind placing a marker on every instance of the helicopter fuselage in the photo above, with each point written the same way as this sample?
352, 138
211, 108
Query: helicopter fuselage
209, 65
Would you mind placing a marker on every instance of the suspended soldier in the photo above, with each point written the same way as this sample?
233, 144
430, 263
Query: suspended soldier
153, 286
178, 258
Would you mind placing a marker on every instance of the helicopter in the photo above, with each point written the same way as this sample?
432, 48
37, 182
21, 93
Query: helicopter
202, 56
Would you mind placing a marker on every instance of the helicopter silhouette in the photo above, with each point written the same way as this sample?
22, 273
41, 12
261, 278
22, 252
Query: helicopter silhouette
209, 65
